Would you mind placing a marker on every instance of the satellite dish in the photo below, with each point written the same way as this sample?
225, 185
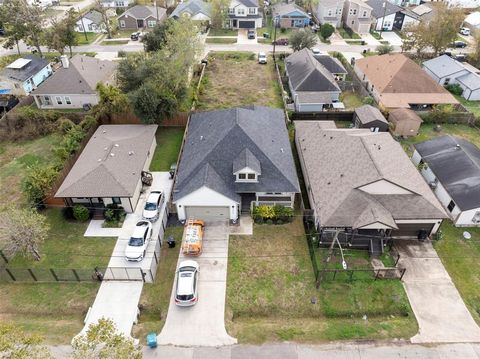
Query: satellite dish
467, 235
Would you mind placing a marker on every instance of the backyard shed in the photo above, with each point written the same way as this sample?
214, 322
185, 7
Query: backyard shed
367, 116
405, 122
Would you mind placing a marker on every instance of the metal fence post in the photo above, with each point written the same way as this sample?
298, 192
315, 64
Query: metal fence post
398, 258
3, 256
143, 274
10, 274
76, 275
403, 272
54, 274
33, 275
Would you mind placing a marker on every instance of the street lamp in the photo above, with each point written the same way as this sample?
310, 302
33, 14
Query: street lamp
83, 25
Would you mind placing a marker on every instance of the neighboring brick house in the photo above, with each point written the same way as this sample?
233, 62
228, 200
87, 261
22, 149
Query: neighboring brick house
357, 16
330, 12
244, 14
141, 17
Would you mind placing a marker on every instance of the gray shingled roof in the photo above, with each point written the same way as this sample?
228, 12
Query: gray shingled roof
443, 66
32, 68
470, 81
249, 3
331, 64
456, 164
111, 163
307, 74
246, 159
368, 113
216, 145
282, 9
340, 162
193, 7
95, 16
81, 77
143, 11
378, 11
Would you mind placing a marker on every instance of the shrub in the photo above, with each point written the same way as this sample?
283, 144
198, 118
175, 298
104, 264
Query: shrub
368, 100
384, 49
122, 53
455, 89
70, 143
326, 31
88, 122
277, 214
269, 221
114, 213
64, 124
81, 213
38, 182
283, 30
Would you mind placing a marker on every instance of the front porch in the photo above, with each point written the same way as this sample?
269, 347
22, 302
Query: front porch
248, 200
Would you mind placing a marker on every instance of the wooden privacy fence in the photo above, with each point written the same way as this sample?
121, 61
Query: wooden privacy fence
179, 120
322, 116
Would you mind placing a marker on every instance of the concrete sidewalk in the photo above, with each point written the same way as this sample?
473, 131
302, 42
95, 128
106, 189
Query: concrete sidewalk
440, 311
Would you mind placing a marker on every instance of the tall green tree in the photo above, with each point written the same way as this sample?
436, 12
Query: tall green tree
326, 30
15, 29
102, 340
69, 34
302, 39
16, 344
112, 101
155, 39
218, 13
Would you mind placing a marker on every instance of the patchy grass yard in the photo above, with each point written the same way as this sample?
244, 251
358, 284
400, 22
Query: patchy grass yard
91, 37
66, 247
270, 291
427, 132
169, 141
15, 157
344, 34
460, 258
155, 297
472, 106
351, 100
228, 82
222, 32
54, 311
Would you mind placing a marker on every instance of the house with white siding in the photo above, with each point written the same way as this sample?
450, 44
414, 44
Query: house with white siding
451, 166
330, 12
244, 14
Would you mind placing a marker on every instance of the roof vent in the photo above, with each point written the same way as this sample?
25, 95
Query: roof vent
328, 182
457, 147
201, 138
281, 150
112, 154
116, 145
99, 160
105, 148
131, 153
104, 131
379, 147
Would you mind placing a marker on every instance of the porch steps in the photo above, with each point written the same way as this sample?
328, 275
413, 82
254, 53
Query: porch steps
98, 213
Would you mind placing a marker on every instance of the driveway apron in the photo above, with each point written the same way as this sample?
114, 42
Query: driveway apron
203, 323
440, 311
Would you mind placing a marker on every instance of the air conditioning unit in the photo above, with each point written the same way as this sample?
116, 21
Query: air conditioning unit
476, 218
433, 184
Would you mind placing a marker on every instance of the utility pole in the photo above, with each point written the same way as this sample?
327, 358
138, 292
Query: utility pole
274, 38
83, 25
383, 18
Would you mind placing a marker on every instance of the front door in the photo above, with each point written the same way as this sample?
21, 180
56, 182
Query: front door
234, 24
140, 24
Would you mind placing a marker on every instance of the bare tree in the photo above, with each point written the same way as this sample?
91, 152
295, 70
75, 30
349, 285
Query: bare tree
22, 231
103, 10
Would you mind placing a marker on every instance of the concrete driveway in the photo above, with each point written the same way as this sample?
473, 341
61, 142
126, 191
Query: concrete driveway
440, 311
243, 39
392, 38
203, 323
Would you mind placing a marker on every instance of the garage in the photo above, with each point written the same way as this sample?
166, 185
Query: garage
412, 229
208, 213
246, 24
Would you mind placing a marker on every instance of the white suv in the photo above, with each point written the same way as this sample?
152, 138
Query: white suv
186, 289
138, 242
152, 206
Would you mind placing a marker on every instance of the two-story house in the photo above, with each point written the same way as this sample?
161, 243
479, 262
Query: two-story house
24, 75
383, 14
330, 12
244, 14
357, 16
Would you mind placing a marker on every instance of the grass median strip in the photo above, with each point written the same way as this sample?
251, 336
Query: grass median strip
220, 40
114, 42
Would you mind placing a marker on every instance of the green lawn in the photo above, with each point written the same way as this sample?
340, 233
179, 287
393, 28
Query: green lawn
344, 34
91, 37
120, 34
15, 157
220, 40
66, 247
155, 297
169, 141
54, 311
222, 32
427, 132
114, 42
351, 100
354, 42
472, 106
460, 258
270, 290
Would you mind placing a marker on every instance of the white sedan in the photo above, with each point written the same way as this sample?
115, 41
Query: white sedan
138, 242
152, 206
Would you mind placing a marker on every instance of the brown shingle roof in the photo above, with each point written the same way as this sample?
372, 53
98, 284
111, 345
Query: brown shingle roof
400, 81
340, 162
111, 163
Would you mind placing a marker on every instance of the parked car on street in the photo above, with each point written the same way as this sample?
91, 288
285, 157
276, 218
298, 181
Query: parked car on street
459, 44
262, 58
465, 31
186, 289
251, 34
138, 242
316, 51
152, 207
283, 42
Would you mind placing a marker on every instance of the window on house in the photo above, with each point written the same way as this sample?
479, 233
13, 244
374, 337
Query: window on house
251, 11
122, 23
80, 28
329, 12
364, 14
241, 11
231, 11
90, 27
353, 22
116, 200
451, 206
242, 176
68, 101
354, 11
46, 100
251, 176
151, 23
59, 100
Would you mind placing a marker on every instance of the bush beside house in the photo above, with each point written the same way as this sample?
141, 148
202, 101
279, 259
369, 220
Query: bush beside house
272, 214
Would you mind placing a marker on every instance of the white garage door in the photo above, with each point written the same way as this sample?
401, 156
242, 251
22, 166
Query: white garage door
208, 213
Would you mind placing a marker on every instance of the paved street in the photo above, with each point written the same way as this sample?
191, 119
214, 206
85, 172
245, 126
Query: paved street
203, 323
440, 311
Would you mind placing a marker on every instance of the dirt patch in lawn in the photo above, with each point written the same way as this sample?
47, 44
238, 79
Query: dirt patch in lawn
235, 79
